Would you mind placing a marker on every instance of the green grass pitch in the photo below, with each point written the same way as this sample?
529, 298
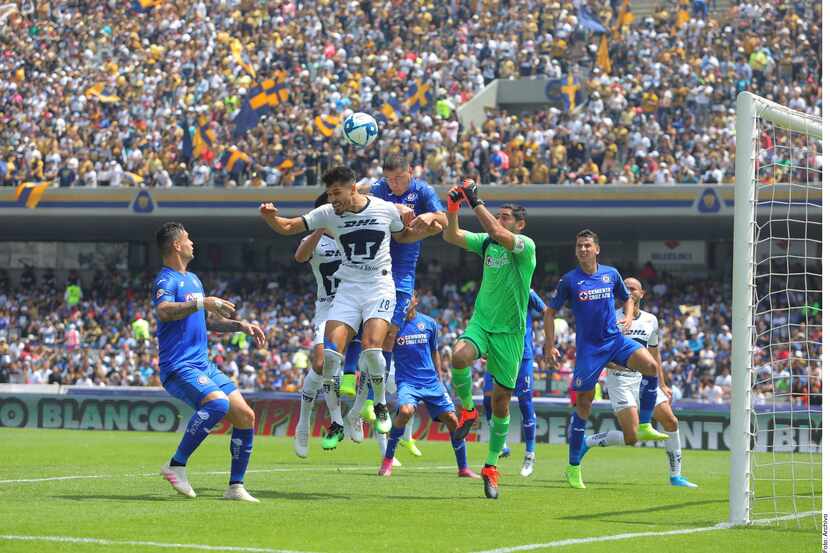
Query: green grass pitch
334, 502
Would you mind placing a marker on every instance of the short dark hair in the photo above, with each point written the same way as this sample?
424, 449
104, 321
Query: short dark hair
519, 212
339, 175
322, 199
588, 233
395, 162
167, 234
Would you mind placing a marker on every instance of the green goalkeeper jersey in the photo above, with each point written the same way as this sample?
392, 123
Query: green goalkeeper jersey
501, 304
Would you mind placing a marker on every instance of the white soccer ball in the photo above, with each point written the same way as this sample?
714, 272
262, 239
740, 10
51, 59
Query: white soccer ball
360, 129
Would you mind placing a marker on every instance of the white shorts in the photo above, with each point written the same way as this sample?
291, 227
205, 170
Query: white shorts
356, 302
624, 390
321, 315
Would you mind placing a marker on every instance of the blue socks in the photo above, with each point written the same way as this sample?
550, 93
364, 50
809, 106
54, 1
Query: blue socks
242, 443
205, 418
460, 449
487, 402
648, 397
576, 435
350, 360
528, 422
392, 443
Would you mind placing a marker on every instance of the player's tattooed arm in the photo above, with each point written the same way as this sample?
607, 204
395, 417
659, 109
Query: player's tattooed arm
281, 225
216, 323
306, 248
176, 310
431, 223
551, 353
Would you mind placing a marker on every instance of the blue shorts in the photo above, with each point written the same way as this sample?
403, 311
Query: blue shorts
402, 301
191, 385
524, 382
436, 398
591, 360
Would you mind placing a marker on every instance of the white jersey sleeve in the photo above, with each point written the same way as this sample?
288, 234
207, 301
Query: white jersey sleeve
654, 338
320, 217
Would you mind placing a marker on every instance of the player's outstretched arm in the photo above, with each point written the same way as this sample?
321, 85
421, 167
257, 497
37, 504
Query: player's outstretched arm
452, 233
281, 225
551, 353
217, 323
306, 248
491, 225
176, 310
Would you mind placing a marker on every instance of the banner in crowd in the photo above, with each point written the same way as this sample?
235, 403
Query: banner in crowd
701, 426
672, 252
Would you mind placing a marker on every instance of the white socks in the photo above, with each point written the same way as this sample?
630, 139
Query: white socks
332, 364
360, 396
605, 439
673, 453
311, 385
371, 362
407, 430
382, 441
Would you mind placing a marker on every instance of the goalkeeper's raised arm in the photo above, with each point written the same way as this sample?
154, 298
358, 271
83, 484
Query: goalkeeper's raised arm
468, 192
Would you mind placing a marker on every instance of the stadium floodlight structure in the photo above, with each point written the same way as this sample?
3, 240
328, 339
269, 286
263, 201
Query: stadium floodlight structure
776, 316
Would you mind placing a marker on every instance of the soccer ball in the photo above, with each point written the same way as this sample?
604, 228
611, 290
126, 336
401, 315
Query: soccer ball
360, 129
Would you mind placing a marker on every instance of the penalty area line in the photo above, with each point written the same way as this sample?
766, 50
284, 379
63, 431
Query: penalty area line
162, 545
627, 536
216, 472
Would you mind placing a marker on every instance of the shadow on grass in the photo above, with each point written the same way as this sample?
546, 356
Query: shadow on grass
654, 509
132, 497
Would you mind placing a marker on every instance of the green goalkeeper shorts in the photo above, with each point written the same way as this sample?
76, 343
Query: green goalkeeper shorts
503, 351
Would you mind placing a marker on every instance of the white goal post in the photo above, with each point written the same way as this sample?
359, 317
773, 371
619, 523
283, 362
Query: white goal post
775, 315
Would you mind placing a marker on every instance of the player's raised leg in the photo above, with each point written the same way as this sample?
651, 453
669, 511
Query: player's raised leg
641, 360
241, 416
312, 383
464, 353
338, 334
665, 417
487, 404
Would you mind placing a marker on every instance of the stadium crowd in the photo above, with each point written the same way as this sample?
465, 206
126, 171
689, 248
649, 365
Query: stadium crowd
101, 333
94, 92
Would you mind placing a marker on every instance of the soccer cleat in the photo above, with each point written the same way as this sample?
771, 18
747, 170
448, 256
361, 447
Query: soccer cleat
410, 446
396, 463
301, 440
527, 466
237, 492
583, 450
466, 420
348, 385
573, 474
647, 433
491, 482
334, 435
354, 427
505, 453
386, 467
383, 422
177, 476
368, 411
681, 482
467, 473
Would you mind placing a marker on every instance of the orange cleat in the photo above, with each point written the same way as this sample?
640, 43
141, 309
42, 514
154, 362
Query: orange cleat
466, 420
491, 476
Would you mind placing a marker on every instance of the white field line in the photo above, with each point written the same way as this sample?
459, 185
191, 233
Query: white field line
529, 547
96, 541
617, 537
217, 472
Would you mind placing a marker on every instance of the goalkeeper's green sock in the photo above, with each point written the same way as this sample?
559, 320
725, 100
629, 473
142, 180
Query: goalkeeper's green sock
462, 382
499, 427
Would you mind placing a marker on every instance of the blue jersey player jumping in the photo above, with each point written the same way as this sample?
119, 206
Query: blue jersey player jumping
399, 187
523, 391
184, 316
416, 377
591, 289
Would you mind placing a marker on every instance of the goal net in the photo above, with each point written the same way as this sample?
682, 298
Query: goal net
776, 351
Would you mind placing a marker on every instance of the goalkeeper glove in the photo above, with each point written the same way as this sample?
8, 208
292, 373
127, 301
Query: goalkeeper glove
454, 199
470, 191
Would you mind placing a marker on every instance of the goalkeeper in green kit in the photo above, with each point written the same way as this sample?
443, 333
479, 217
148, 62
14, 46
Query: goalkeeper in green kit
497, 328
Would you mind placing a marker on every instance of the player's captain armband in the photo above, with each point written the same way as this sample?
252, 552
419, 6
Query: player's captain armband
200, 303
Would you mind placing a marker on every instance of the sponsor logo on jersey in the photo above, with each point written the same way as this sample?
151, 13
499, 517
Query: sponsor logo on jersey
360, 222
421, 326
412, 197
411, 339
595, 294
606, 279
160, 293
496, 262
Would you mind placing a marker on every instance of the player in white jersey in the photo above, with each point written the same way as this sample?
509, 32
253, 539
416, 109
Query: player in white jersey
362, 227
624, 388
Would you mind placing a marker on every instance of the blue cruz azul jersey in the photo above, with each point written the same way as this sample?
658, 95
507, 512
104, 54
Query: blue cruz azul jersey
413, 352
182, 342
422, 198
535, 305
591, 299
